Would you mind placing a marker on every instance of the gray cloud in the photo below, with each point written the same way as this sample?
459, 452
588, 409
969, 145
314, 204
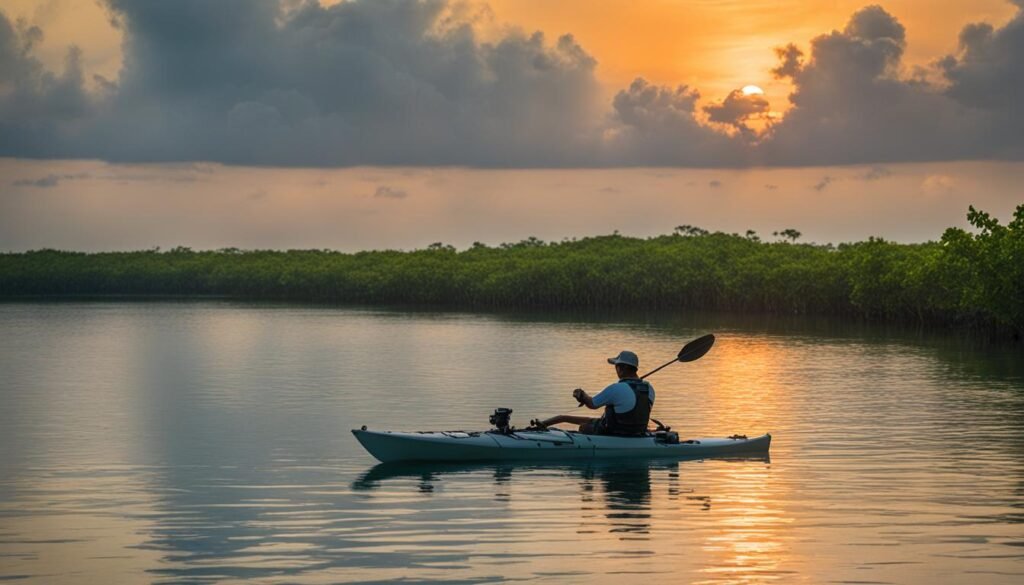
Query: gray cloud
390, 193
655, 125
853, 105
50, 180
714, 184
35, 104
402, 82
988, 74
875, 173
41, 182
823, 183
737, 109
361, 82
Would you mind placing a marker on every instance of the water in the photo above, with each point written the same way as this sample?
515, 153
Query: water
209, 442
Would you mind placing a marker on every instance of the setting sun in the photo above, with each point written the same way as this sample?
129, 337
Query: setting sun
752, 90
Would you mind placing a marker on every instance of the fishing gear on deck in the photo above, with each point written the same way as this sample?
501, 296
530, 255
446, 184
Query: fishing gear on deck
501, 419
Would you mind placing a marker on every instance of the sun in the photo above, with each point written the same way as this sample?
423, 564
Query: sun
752, 90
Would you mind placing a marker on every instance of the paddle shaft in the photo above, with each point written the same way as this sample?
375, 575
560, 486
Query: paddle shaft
665, 365
690, 352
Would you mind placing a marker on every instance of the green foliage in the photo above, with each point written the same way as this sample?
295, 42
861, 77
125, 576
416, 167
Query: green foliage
788, 233
984, 273
966, 278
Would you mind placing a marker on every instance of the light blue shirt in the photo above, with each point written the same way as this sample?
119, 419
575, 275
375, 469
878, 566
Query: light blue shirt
620, 396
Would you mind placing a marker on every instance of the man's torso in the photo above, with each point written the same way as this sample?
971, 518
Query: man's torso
620, 397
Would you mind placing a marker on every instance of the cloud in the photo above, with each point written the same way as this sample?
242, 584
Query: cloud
42, 182
875, 173
390, 193
656, 125
823, 183
987, 73
937, 184
852, 103
50, 180
403, 82
790, 61
268, 82
737, 109
35, 103
771, 187
714, 184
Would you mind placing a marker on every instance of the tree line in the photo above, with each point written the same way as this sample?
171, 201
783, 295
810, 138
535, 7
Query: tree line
967, 278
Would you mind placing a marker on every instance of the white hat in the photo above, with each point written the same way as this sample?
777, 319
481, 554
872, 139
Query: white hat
626, 358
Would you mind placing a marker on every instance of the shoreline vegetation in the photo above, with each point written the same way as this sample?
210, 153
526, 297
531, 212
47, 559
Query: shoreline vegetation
967, 280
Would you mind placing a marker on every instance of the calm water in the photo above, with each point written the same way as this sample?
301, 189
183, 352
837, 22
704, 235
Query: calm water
209, 442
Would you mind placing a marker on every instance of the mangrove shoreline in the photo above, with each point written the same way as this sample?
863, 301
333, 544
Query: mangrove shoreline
971, 280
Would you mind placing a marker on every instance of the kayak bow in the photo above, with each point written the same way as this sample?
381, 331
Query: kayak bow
546, 445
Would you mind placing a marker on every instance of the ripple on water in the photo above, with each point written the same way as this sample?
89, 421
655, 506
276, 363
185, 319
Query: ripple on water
209, 443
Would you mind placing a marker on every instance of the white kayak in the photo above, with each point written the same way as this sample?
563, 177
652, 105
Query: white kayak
547, 445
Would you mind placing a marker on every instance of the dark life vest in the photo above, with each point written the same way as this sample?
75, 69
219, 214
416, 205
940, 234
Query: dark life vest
633, 422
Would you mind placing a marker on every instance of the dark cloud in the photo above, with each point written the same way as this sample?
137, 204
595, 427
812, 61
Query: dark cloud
988, 74
360, 82
714, 184
852, 104
737, 109
390, 193
35, 103
823, 183
771, 187
655, 125
42, 182
403, 82
790, 61
875, 173
50, 180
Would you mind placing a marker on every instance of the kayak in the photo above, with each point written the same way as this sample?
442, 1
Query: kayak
544, 445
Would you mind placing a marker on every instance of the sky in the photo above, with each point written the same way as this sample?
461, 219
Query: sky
397, 123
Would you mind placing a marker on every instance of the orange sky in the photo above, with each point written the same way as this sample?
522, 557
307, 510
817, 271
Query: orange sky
104, 206
713, 45
721, 45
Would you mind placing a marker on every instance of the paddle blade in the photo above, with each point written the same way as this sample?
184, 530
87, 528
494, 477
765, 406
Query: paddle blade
696, 348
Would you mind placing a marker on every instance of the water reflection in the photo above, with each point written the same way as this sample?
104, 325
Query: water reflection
208, 442
621, 492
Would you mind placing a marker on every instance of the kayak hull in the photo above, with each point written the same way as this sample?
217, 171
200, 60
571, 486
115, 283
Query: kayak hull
549, 445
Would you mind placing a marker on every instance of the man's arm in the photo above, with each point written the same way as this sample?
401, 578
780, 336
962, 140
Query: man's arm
591, 402
584, 398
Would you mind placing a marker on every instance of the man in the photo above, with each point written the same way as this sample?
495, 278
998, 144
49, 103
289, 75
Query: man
627, 403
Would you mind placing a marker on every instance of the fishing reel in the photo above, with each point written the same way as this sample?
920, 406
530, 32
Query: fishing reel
501, 419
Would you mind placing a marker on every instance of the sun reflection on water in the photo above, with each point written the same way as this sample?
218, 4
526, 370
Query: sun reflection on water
209, 443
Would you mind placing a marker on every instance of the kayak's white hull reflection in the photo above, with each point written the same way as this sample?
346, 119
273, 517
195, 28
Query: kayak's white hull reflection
427, 473
550, 445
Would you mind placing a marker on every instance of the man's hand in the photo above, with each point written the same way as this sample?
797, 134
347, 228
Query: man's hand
582, 397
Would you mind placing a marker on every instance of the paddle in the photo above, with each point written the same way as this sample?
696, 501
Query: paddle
691, 352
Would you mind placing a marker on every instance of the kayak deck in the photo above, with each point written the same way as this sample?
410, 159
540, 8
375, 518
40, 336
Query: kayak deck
547, 445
